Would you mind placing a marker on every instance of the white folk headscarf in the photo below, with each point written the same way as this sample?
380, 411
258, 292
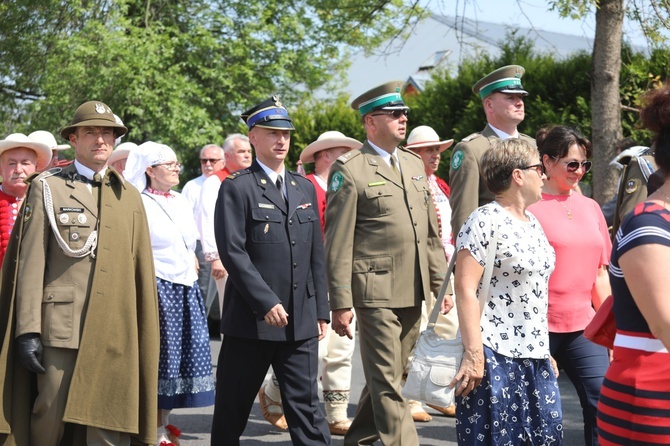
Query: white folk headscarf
147, 154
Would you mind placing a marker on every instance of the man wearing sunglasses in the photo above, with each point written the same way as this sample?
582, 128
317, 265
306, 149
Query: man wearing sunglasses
502, 98
383, 255
211, 161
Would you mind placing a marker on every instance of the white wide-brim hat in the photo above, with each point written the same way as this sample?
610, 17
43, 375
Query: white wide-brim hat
121, 151
328, 140
47, 138
424, 136
17, 140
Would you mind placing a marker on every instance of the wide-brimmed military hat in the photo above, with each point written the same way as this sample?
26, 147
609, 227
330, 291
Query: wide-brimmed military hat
93, 114
506, 79
18, 140
384, 97
424, 136
269, 114
328, 140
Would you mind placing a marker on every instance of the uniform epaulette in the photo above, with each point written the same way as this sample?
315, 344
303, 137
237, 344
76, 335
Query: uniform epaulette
237, 174
45, 173
471, 137
408, 151
344, 158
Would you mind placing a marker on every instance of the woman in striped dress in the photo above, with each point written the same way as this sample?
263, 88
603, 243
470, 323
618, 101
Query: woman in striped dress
634, 407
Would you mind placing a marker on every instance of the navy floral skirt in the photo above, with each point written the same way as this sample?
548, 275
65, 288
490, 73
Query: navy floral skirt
517, 403
185, 367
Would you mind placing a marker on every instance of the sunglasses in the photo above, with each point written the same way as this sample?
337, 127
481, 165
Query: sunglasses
539, 168
209, 160
395, 113
572, 166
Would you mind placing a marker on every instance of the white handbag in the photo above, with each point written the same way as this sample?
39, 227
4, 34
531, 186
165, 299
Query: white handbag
436, 360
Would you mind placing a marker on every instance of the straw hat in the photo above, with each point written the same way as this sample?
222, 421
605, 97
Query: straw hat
424, 136
328, 140
17, 140
47, 138
121, 151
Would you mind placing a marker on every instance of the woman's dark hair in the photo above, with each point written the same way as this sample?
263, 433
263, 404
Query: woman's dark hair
555, 141
655, 116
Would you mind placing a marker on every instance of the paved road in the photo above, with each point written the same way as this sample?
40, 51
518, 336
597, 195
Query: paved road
196, 423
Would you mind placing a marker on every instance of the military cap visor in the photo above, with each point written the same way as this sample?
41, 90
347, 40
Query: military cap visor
269, 114
93, 114
383, 97
506, 79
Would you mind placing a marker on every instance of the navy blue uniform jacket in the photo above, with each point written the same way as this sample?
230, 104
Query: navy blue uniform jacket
273, 252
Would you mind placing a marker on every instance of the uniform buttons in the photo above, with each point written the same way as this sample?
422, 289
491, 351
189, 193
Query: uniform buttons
290, 222
410, 208
379, 193
309, 218
418, 242
295, 286
292, 242
370, 268
295, 265
415, 224
50, 297
267, 217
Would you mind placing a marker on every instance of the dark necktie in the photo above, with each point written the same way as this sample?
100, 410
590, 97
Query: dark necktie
95, 188
280, 186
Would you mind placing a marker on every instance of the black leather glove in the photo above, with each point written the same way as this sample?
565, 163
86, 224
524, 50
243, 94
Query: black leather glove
29, 352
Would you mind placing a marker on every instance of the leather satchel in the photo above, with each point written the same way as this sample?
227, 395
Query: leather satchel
436, 361
602, 328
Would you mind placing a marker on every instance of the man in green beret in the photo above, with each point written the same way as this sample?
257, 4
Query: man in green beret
383, 256
502, 98
79, 302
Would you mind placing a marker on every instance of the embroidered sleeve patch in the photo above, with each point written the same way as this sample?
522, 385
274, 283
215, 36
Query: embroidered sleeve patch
336, 182
457, 160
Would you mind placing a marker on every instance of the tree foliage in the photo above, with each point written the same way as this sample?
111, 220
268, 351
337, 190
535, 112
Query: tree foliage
177, 71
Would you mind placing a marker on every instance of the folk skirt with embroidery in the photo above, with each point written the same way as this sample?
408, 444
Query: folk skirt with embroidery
517, 403
185, 367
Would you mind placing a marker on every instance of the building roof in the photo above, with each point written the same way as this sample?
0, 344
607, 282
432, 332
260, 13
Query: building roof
444, 41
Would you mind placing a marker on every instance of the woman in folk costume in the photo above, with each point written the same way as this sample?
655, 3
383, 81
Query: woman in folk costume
185, 368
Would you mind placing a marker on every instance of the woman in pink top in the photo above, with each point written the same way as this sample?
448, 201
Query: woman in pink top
576, 228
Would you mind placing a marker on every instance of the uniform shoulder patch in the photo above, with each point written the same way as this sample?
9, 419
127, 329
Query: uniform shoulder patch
457, 160
344, 158
471, 137
336, 182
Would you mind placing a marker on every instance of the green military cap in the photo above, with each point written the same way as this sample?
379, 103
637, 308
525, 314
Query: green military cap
384, 97
503, 80
93, 114
268, 114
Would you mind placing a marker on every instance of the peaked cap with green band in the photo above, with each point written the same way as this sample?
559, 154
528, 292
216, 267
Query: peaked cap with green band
384, 97
503, 80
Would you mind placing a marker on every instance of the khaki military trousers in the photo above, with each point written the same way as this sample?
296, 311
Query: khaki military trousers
46, 421
386, 337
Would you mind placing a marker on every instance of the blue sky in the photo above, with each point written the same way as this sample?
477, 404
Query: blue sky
525, 13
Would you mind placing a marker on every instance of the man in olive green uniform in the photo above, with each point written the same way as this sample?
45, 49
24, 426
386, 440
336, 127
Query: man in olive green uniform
383, 256
502, 98
84, 298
